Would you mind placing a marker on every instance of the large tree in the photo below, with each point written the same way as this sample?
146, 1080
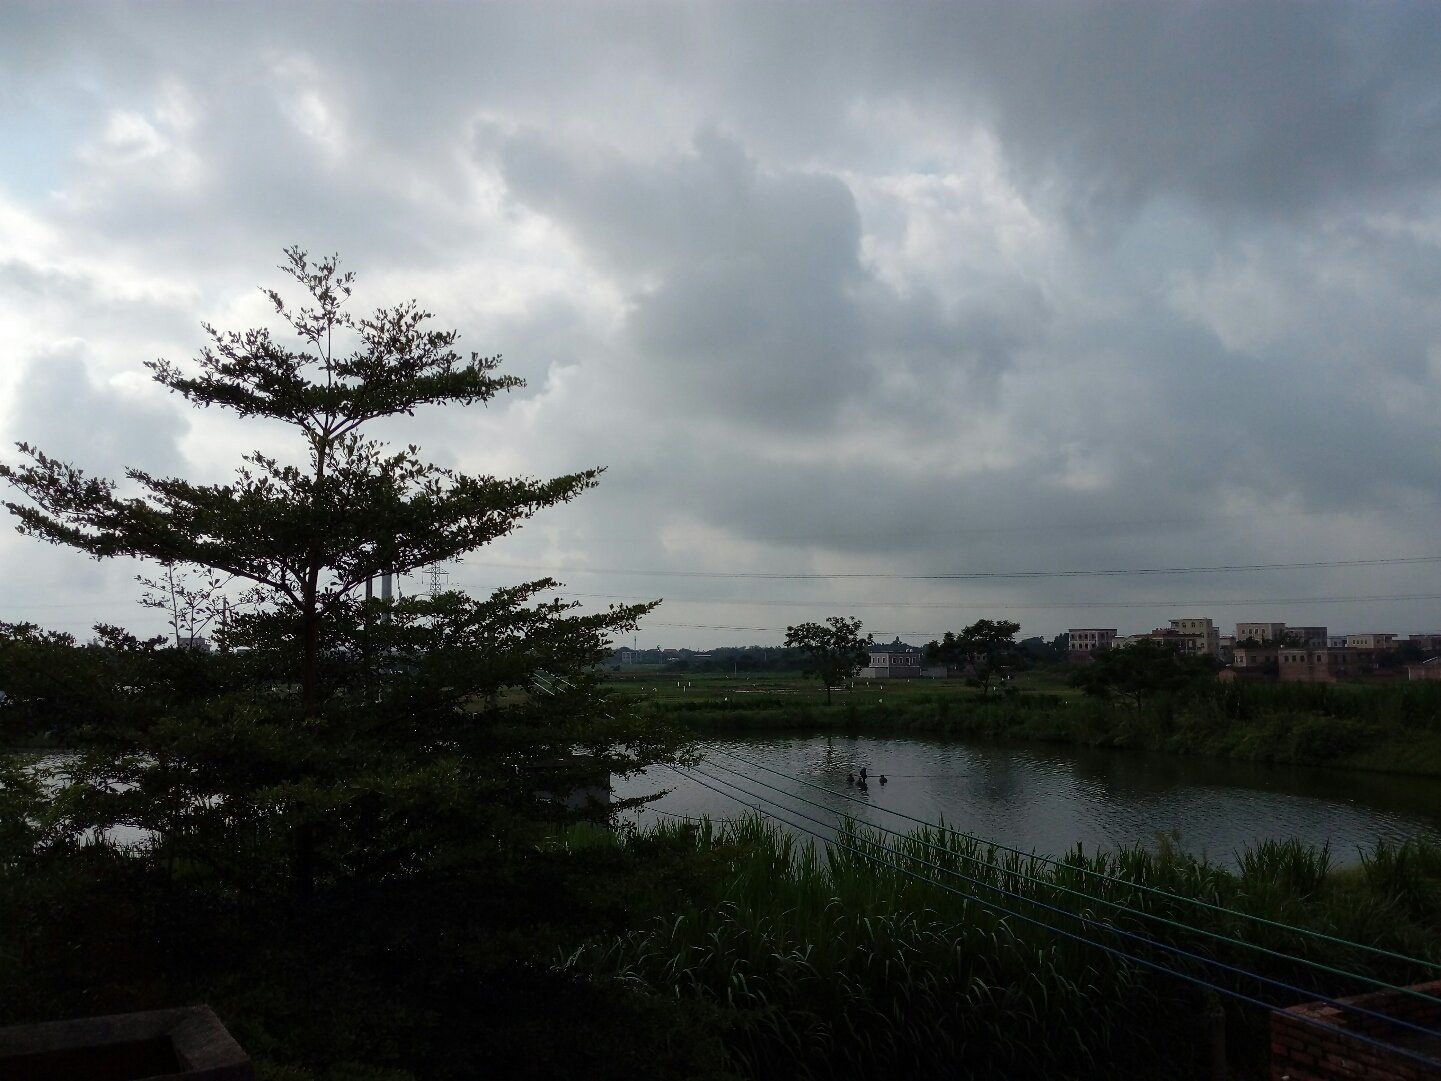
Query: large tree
985, 650
374, 736
835, 650
1142, 671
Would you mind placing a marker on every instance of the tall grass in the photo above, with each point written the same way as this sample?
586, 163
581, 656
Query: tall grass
859, 957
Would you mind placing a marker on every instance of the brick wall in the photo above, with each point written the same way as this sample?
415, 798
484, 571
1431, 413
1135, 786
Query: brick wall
1303, 1052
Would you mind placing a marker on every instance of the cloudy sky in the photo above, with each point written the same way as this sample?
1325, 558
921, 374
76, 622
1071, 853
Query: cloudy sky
920, 313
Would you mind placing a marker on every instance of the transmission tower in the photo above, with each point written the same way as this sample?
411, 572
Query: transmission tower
438, 576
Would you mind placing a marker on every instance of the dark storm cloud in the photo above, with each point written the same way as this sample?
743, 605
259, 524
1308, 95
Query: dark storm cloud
1261, 108
910, 287
741, 282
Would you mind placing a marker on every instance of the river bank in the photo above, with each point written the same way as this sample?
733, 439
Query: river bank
1391, 729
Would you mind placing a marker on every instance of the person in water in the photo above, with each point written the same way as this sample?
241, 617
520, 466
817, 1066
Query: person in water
850, 778
883, 779
863, 775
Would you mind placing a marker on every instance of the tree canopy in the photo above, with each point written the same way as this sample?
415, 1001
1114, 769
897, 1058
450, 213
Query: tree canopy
986, 650
1141, 671
835, 650
352, 736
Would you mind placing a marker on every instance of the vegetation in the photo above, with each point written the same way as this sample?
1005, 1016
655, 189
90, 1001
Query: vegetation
343, 827
934, 954
340, 825
985, 650
1139, 673
1393, 727
835, 650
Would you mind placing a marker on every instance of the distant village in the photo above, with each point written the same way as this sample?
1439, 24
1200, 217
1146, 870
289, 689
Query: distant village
1280, 652
1275, 652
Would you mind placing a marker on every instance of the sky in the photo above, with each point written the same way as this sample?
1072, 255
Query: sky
917, 313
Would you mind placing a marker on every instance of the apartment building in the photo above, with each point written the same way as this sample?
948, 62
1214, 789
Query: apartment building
1082, 641
1254, 658
1370, 641
1312, 637
1297, 665
1199, 636
1261, 632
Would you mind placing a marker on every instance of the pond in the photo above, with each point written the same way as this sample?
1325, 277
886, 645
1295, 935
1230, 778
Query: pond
1046, 798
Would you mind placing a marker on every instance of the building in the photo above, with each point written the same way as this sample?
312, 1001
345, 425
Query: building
1260, 632
1313, 637
896, 661
1255, 658
1082, 641
1226, 648
1370, 641
1426, 643
1295, 664
1426, 670
1199, 636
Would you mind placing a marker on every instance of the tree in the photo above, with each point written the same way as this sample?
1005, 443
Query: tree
987, 648
834, 650
368, 737
190, 604
1142, 671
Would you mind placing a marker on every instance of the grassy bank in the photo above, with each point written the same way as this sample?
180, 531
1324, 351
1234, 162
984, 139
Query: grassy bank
1391, 728
936, 955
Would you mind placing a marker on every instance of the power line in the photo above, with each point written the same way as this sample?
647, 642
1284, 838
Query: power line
1067, 528
1215, 936
1113, 879
1085, 940
1234, 969
1219, 909
947, 606
977, 576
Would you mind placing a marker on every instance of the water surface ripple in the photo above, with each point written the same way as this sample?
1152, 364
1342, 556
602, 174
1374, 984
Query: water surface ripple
1049, 799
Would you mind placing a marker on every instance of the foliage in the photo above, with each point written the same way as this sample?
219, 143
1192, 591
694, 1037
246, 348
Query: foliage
1141, 672
338, 826
986, 650
835, 650
928, 955
191, 603
351, 736
39, 682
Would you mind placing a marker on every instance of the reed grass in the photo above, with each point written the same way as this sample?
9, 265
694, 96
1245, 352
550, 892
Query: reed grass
866, 955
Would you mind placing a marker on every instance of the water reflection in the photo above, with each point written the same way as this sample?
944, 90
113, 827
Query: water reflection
1049, 799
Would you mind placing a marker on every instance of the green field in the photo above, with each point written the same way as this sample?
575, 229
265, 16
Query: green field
661, 684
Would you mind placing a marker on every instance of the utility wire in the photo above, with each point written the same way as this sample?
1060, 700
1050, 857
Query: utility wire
1220, 909
1088, 921
977, 576
1113, 950
1115, 880
1117, 905
1063, 528
963, 605
835, 840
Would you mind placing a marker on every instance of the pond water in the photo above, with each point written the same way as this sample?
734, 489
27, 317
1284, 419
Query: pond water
1045, 799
